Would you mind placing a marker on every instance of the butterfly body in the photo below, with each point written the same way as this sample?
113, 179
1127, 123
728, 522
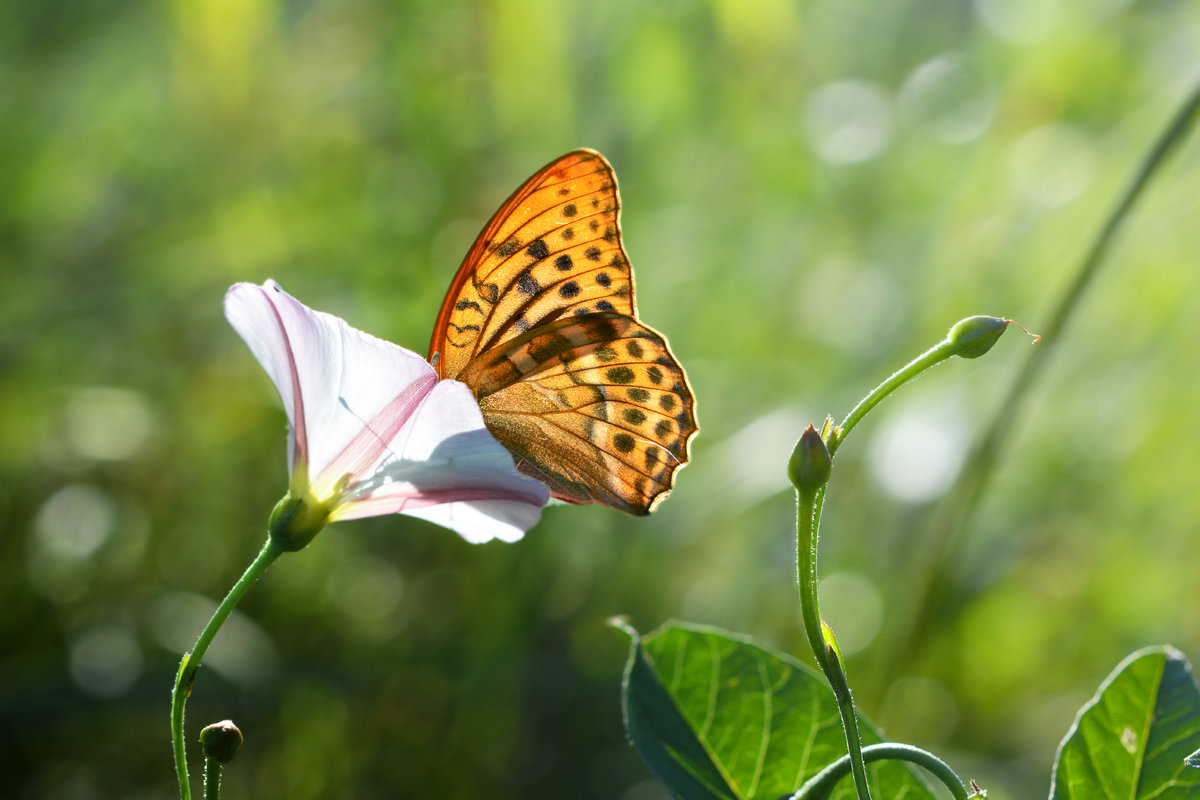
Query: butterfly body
540, 322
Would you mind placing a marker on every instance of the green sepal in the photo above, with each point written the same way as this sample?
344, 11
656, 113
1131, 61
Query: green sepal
295, 521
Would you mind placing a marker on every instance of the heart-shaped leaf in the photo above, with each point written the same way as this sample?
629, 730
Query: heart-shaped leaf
718, 717
1131, 740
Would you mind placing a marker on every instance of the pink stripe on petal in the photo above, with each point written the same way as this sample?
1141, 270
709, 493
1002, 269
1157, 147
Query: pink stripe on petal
368, 447
299, 429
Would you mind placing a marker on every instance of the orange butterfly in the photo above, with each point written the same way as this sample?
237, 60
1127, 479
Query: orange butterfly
541, 324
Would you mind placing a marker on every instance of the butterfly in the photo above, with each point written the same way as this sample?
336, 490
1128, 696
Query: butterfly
540, 323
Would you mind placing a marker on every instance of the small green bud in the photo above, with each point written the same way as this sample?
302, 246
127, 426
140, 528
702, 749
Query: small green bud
221, 740
295, 521
837, 667
810, 464
831, 646
974, 336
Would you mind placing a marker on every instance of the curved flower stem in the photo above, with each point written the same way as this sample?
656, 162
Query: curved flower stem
819, 786
807, 518
190, 662
961, 501
931, 357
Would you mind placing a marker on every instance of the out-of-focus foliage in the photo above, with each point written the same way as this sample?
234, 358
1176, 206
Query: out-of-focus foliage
813, 192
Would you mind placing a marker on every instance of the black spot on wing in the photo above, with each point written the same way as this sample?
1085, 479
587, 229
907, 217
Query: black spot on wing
527, 284
538, 250
620, 374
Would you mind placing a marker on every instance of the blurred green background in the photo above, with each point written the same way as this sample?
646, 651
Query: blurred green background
813, 192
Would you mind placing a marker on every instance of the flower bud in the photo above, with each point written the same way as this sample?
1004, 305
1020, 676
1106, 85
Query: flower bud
810, 464
221, 740
974, 336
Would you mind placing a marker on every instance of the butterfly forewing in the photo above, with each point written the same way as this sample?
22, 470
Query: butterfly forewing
552, 250
594, 406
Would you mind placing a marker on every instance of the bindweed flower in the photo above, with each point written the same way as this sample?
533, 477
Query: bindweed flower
373, 431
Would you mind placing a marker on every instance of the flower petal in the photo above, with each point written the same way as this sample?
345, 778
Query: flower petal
376, 430
331, 377
442, 465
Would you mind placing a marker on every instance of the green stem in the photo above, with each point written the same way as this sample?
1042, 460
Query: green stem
955, 515
190, 662
820, 785
807, 519
212, 778
934, 355
807, 507
854, 748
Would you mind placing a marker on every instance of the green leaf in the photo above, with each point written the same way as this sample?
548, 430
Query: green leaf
715, 715
1131, 739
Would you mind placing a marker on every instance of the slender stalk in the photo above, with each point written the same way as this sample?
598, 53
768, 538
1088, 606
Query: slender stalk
934, 355
854, 748
807, 515
820, 785
190, 662
806, 573
212, 778
956, 513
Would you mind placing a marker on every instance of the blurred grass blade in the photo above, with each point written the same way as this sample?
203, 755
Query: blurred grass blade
1131, 740
940, 555
715, 715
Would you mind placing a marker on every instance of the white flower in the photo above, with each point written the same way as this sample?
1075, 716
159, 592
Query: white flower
373, 431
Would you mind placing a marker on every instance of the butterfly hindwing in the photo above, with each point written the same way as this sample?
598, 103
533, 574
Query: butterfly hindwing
594, 406
552, 250
541, 324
